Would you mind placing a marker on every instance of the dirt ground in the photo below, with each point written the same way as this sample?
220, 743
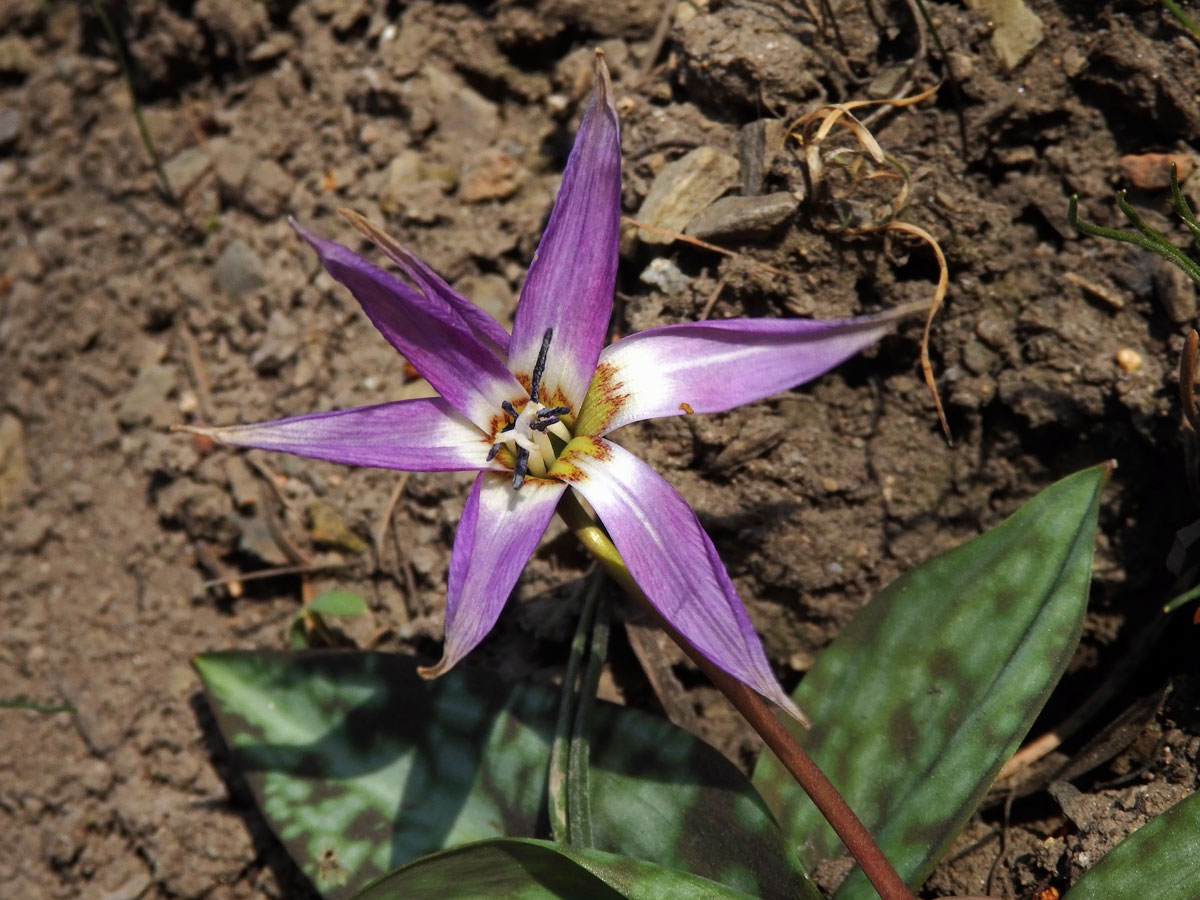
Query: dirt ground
123, 310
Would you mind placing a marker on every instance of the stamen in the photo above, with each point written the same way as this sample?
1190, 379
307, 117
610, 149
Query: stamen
507, 406
544, 418
539, 368
520, 467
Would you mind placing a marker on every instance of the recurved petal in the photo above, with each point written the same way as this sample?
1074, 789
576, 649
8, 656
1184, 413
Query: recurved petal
671, 558
430, 335
424, 435
713, 366
497, 533
571, 280
432, 285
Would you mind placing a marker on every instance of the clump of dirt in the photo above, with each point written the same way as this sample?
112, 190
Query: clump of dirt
126, 549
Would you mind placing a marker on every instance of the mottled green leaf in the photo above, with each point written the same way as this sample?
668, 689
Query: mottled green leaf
337, 603
361, 766
1159, 861
540, 870
923, 696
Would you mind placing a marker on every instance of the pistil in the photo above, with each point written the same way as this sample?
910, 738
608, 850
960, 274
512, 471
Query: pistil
528, 432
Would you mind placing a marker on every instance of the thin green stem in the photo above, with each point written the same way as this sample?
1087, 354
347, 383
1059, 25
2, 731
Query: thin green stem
756, 712
560, 812
44, 708
1184, 19
127, 74
1182, 206
579, 795
1149, 239
955, 91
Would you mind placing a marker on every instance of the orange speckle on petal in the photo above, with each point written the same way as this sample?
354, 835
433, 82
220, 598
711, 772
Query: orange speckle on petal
604, 398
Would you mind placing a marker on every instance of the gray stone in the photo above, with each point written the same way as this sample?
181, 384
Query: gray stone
743, 217
145, 402
232, 161
238, 270
1174, 290
30, 530
185, 169
1016, 30
423, 202
12, 123
460, 110
268, 188
663, 274
402, 173
683, 188
279, 345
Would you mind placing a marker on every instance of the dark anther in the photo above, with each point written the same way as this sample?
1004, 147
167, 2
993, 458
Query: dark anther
507, 406
492, 453
547, 417
520, 467
539, 368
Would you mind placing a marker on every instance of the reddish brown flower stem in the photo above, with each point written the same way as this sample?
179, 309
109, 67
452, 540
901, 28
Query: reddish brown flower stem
756, 712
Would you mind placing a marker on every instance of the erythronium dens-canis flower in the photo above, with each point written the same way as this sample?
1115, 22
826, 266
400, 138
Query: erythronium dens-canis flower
529, 411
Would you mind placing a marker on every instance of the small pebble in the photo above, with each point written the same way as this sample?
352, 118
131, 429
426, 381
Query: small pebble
683, 188
239, 270
743, 217
1152, 171
665, 275
1129, 360
11, 125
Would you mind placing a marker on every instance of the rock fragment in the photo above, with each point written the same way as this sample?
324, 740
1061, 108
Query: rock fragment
731, 218
16, 56
145, 402
1152, 171
12, 124
268, 188
683, 188
1174, 290
663, 274
279, 346
186, 168
1016, 30
14, 465
232, 161
239, 270
491, 175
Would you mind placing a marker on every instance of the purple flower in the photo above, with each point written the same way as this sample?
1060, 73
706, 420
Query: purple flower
529, 411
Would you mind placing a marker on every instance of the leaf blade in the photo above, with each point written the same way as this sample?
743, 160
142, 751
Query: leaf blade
1159, 861
360, 766
539, 870
955, 658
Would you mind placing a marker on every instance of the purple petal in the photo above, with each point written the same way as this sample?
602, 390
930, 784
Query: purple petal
714, 366
571, 280
498, 530
428, 333
425, 435
483, 326
671, 558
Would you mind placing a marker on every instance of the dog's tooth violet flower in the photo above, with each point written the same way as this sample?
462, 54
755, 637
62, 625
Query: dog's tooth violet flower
529, 411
